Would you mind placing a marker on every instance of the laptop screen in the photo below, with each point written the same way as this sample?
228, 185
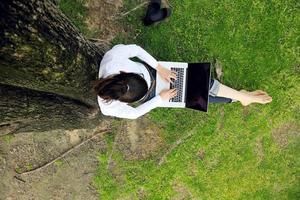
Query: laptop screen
198, 78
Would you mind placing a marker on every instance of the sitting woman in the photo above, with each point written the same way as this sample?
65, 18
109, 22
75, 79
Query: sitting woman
124, 82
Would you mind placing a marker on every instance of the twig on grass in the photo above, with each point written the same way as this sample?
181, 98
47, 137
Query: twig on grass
64, 154
135, 8
130, 11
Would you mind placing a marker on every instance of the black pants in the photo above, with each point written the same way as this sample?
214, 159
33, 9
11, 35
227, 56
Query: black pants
216, 99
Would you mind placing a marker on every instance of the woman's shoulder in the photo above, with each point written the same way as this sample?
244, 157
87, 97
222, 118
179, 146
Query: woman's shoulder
114, 50
121, 50
108, 69
114, 60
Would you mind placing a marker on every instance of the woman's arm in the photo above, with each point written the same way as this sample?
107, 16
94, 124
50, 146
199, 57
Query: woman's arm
122, 110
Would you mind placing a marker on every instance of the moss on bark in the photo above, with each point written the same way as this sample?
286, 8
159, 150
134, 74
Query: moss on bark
42, 50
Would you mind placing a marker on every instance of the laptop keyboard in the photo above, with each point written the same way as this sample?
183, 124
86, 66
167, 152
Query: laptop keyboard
178, 84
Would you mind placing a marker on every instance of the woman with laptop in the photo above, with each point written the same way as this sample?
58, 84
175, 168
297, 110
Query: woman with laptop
125, 87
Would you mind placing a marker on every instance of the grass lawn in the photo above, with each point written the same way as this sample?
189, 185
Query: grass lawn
246, 153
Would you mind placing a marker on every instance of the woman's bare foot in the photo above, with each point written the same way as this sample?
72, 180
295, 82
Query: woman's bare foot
244, 96
257, 96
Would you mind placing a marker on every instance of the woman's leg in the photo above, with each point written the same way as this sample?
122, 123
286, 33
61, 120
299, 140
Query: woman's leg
214, 88
215, 99
242, 96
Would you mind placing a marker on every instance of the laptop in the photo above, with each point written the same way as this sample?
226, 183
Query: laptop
193, 83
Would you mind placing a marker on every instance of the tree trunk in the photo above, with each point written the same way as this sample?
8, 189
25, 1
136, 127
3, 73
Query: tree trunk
46, 68
41, 50
28, 110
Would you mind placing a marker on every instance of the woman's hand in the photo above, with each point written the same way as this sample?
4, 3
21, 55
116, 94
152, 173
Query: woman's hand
168, 94
166, 74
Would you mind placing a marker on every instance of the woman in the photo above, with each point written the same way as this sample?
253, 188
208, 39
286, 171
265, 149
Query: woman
123, 82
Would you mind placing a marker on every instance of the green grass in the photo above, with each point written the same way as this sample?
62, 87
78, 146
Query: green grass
257, 43
249, 154
7, 138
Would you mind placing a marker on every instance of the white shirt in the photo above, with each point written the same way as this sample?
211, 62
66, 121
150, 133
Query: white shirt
116, 60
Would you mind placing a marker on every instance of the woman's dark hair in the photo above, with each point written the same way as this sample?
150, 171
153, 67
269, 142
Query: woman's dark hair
125, 87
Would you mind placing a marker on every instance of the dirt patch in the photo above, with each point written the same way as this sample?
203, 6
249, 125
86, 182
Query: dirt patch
68, 178
132, 134
182, 192
101, 19
142, 193
285, 134
193, 169
138, 139
246, 111
201, 154
259, 150
74, 136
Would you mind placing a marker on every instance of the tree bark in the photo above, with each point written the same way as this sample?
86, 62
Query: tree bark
41, 50
25, 110
46, 69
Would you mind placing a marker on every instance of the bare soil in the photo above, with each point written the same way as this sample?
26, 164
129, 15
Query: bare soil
182, 192
101, 18
138, 139
286, 133
259, 149
68, 178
